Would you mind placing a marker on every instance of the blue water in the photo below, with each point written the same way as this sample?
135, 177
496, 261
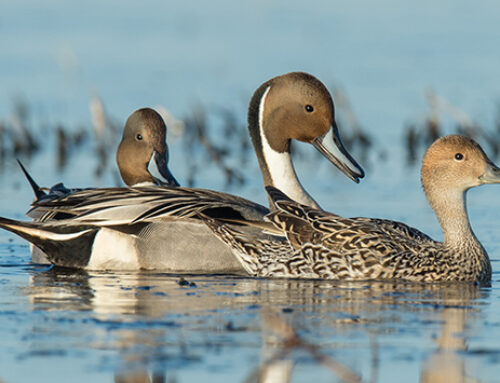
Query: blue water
62, 326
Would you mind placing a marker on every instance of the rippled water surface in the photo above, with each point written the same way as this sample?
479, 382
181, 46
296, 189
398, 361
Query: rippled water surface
60, 325
108, 325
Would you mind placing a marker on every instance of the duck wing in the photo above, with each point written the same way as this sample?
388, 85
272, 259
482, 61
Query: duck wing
118, 206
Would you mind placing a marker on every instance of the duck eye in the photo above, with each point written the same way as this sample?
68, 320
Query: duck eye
309, 108
139, 136
459, 156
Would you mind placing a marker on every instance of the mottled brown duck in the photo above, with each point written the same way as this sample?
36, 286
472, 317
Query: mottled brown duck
311, 243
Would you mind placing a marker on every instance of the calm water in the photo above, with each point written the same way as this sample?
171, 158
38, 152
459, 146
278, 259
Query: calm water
57, 325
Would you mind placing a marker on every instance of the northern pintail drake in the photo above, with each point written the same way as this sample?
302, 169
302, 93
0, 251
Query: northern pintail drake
158, 228
142, 159
311, 243
142, 156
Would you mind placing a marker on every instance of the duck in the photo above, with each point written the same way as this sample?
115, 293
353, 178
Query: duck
142, 155
314, 244
158, 228
142, 159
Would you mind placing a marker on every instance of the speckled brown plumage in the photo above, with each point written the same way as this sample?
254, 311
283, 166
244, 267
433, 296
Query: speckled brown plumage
350, 249
324, 245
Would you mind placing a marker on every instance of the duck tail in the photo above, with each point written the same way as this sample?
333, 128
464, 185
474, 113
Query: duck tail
55, 240
39, 193
37, 233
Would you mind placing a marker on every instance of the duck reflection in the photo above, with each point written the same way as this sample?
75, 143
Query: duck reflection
446, 364
278, 364
163, 322
141, 377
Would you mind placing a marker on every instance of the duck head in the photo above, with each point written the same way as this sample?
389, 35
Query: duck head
457, 163
142, 155
298, 106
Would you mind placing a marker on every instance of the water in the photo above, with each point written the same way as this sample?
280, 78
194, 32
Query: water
102, 325
58, 325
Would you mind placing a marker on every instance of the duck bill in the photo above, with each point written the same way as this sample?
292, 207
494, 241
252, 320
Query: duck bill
158, 169
491, 174
330, 146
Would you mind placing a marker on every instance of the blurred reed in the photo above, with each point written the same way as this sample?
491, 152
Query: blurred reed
444, 118
215, 136
200, 131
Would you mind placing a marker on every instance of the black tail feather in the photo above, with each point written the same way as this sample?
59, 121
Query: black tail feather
39, 193
67, 246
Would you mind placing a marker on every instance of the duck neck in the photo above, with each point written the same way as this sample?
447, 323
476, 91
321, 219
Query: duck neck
460, 241
451, 211
276, 167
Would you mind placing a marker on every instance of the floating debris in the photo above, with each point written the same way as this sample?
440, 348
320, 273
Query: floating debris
183, 282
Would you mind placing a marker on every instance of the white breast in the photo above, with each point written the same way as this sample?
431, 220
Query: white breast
113, 250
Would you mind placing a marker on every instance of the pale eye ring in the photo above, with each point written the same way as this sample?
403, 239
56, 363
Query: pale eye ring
459, 156
309, 108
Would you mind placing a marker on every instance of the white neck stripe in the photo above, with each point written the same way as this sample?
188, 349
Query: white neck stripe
280, 165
